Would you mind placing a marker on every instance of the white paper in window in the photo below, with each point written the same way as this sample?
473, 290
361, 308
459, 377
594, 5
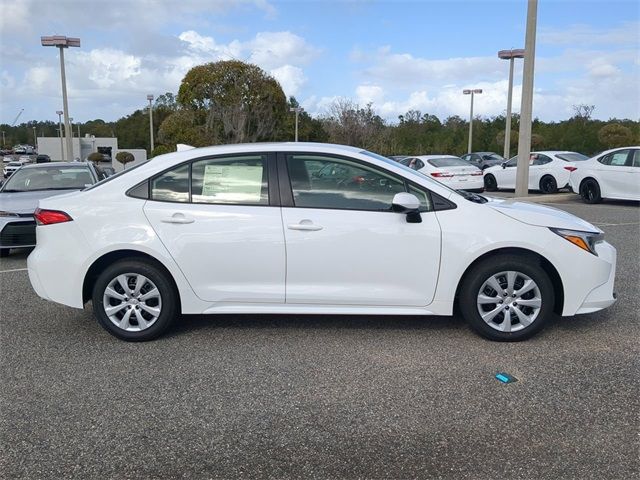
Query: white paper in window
232, 183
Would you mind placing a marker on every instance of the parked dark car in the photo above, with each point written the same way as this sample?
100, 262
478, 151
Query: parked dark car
483, 160
43, 158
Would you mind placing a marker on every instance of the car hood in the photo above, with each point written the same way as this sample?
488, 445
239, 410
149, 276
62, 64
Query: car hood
540, 215
25, 202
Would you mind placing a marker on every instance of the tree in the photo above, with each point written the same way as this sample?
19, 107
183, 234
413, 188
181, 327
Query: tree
349, 124
239, 102
615, 135
95, 157
583, 111
124, 158
182, 127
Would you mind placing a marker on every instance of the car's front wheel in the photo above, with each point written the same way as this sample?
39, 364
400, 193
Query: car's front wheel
490, 183
507, 297
4, 252
134, 300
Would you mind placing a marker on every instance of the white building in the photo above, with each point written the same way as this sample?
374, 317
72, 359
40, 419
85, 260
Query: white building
56, 148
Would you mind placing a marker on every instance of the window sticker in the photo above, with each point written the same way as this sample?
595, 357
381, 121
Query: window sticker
233, 183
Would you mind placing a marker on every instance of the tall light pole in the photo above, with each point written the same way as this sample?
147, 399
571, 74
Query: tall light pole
60, 112
150, 98
510, 55
3, 140
471, 92
35, 138
62, 42
526, 106
297, 110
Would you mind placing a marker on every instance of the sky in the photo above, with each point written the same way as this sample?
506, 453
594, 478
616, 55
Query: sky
398, 55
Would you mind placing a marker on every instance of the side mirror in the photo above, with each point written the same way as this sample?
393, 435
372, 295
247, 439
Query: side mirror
408, 204
504, 164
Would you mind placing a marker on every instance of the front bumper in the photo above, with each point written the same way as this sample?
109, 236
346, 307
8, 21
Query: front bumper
17, 231
602, 296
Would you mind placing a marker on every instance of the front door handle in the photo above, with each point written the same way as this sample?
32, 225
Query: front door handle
305, 225
178, 218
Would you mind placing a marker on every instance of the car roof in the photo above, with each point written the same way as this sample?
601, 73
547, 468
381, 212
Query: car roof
430, 157
57, 164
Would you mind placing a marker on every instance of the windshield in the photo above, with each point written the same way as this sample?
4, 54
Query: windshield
572, 157
492, 156
115, 175
404, 167
50, 178
448, 162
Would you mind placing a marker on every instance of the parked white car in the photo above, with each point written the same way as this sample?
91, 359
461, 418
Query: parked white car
613, 174
308, 228
548, 171
11, 167
453, 171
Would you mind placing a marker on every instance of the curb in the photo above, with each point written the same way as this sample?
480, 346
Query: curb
554, 197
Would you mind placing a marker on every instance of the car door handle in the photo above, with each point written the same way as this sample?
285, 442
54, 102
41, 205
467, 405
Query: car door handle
178, 218
306, 225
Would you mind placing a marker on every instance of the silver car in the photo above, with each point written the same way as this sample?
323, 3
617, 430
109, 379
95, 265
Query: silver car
21, 191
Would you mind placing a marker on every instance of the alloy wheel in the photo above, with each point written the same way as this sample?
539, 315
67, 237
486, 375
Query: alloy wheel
509, 301
132, 302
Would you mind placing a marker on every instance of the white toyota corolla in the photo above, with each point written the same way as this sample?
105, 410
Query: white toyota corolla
310, 229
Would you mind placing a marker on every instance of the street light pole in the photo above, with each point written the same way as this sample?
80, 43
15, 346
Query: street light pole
60, 112
3, 140
471, 92
35, 138
150, 98
297, 110
62, 42
526, 106
510, 55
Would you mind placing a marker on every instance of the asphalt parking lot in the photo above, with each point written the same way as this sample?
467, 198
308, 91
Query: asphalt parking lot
323, 396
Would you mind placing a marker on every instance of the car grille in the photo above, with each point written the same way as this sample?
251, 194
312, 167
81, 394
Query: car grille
18, 233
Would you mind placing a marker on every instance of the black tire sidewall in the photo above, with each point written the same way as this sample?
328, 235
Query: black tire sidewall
548, 179
590, 184
490, 183
4, 252
480, 273
158, 277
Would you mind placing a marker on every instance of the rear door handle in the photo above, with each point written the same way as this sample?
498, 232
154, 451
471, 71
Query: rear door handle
178, 218
305, 225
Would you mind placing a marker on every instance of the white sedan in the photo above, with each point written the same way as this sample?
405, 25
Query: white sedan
612, 174
548, 171
453, 171
304, 228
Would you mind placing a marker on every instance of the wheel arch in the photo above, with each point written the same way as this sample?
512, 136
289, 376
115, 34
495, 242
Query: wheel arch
109, 258
548, 175
547, 266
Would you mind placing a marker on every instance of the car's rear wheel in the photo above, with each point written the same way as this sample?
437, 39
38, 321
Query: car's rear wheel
4, 252
134, 300
590, 191
548, 184
490, 183
507, 298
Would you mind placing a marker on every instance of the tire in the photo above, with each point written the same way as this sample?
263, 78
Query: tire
590, 191
4, 252
476, 292
548, 184
490, 183
147, 318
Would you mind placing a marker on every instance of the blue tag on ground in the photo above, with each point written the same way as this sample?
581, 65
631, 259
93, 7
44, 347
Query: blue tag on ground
505, 377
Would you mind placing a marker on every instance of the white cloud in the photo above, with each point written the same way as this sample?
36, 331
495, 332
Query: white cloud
291, 78
272, 49
369, 94
585, 35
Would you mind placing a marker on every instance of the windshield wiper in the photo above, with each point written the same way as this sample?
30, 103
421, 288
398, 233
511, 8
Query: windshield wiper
11, 190
55, 188
472, 197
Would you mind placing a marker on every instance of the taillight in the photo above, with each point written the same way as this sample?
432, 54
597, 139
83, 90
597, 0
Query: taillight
49, 217
442, 174
477, 173
571, 169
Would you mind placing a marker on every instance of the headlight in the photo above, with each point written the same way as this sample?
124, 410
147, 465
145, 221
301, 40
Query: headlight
585, 240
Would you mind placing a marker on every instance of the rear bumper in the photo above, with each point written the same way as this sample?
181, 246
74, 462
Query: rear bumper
18, 232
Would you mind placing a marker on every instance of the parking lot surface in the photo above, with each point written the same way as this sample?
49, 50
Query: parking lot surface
323, 396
